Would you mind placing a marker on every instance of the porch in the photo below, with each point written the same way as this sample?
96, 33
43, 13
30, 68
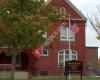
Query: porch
21, 70
24, 63
21, 62
18, 75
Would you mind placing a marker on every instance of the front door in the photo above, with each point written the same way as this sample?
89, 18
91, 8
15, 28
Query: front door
24, 61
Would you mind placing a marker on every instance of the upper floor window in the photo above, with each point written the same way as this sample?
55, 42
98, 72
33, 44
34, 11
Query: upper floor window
62, 11
54, 10
63, 55
66, 34
45, 35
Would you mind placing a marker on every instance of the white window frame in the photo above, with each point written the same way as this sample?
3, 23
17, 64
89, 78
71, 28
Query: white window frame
59, 58
64, 34
44, 35
66, 55
45, 54
62, 11
74, 54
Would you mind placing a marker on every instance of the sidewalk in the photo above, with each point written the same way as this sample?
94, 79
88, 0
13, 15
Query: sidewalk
19, 75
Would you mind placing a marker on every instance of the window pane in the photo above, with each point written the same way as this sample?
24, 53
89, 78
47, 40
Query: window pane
62, 11
45, 35
45, 52
61, 52
61, 63
61, 58
64, 34
66, 51
73, 52
43, 73
71, 36
66, 57
74, 57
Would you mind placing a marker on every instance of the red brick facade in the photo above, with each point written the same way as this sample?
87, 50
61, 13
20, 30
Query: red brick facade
48, 65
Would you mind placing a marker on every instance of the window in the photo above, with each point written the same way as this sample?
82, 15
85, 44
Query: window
62, 11
90, 66
66, 34
62, 59
45, 35
74, 55
54, 10
4, 59
45, 52
43, 73
66, 55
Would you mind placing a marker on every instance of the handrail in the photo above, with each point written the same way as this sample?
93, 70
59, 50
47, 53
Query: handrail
5, 67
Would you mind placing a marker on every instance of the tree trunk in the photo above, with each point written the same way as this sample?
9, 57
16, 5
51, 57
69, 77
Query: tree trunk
13, 60
29, 67
13, 66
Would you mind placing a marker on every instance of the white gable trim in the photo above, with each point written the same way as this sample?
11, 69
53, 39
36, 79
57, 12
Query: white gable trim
47, 2
76, 10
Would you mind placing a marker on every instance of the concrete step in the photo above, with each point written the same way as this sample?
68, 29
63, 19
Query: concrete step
21, 75
4, 74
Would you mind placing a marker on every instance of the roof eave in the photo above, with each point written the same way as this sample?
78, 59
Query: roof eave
76, 10
72, 6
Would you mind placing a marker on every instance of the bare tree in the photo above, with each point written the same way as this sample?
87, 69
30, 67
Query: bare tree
95, 21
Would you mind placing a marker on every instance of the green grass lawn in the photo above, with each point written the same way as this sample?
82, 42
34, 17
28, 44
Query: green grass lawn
62, 78
57, 78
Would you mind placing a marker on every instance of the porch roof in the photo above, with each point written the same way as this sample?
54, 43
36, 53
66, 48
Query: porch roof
19, 50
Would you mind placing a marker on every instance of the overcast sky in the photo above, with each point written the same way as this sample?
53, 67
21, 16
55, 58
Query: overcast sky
86, 7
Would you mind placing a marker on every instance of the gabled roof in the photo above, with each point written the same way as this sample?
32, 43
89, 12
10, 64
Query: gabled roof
72, 6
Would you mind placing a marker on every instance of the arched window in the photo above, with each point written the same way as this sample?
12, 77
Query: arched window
62, 11
54, 10
63, 55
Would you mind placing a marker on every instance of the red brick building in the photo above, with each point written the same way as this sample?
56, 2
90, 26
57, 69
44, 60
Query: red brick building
52, 61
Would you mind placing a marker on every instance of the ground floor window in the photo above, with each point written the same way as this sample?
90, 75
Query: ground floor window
45, 52
63, 55
43, 73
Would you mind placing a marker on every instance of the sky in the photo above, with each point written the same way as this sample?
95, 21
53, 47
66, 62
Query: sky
87, 7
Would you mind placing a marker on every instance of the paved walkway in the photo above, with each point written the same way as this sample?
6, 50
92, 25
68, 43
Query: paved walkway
23, 75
